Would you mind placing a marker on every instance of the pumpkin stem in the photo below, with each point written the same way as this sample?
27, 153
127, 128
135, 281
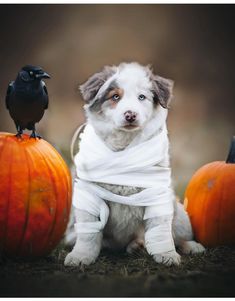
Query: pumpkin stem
231, 155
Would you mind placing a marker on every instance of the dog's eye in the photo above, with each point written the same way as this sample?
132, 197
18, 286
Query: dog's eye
115, 97
141, 97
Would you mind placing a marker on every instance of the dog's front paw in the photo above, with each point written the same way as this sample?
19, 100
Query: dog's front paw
168, 258
191, 247
76, 259
135, 246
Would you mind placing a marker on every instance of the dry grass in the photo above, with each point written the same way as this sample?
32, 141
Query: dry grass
119, 274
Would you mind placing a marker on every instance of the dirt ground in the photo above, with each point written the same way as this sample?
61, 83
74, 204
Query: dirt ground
120, 275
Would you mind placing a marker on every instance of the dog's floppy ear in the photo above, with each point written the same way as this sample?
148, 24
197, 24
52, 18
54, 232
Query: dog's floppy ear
162, 90
91, 87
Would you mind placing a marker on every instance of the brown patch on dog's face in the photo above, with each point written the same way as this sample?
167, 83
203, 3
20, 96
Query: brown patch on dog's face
114, 96
162, 88
109, 97
91, 87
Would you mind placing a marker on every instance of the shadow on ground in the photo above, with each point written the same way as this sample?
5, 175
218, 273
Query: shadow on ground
120, 275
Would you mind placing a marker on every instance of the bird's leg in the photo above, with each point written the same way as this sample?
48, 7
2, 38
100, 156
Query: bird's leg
34, 134
19, 131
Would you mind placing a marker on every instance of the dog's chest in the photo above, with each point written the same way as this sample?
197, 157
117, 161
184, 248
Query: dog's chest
124, 221
121, 212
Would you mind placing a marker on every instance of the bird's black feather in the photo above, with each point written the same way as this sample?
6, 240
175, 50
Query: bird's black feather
45, 90
9, 90
27, 98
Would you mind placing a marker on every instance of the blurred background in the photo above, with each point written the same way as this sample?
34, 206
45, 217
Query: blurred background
192, 44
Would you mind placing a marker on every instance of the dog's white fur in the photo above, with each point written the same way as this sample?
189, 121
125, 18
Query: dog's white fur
125, 227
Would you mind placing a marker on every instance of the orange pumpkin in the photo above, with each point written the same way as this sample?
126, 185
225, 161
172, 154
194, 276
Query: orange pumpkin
35, 196
210, 202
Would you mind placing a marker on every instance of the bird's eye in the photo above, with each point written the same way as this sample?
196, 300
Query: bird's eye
24, 76
115, 97
141, 97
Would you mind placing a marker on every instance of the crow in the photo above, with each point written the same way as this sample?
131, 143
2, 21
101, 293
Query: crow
27, 99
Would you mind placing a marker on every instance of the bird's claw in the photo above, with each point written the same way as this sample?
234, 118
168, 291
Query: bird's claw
35, 136
19, 135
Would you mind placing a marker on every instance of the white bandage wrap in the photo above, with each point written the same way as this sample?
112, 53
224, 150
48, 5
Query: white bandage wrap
158, 240
144, 165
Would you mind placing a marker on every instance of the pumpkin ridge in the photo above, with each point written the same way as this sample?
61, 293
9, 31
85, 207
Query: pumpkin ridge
194, 191
208, 199
8, 196
66, 170
65, 183
54, 189
68, 182
204, 221
57, 198
1, 150
220, 205
204, 209
227, 226
27, 203
2, 240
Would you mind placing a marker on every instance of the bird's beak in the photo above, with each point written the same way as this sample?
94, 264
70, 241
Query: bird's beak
42, 75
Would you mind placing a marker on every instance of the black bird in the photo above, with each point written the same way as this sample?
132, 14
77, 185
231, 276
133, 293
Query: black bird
27, 99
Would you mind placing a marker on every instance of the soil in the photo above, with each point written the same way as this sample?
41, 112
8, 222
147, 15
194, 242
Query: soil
120, 275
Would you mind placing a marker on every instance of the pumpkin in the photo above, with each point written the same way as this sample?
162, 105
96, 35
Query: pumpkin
35, 196
210, 202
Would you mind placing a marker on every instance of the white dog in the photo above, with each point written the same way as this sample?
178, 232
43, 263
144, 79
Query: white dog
123, 197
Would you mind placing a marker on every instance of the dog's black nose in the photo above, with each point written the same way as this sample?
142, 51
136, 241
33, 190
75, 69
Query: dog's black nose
130, 116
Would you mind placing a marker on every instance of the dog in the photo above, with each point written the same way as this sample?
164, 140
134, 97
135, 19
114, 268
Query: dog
122, 103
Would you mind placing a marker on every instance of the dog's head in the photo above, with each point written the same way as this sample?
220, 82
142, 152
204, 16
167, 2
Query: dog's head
125, 97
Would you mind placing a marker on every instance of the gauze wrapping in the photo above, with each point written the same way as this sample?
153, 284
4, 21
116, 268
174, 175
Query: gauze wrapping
144, 165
